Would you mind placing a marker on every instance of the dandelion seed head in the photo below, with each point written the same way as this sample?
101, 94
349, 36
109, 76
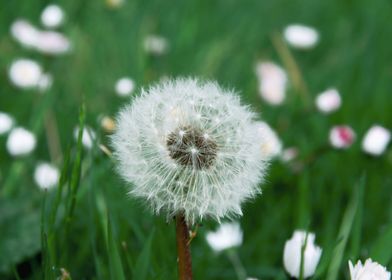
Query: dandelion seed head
180, 162
20, 142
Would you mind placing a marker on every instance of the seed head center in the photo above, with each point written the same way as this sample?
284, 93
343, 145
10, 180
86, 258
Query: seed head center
191, 147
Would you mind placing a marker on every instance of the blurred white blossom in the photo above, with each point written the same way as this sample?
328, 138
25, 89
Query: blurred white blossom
370, 270
301, 36
48, 42
289, 154
292, 254
271, 145
88, 136
52, 16
155, 44
108, 124
25, 73
376, 140
341, 136
272, 82
228, 235
124, 86
45, 82
46, 175
20, 142
6, 122
328, 101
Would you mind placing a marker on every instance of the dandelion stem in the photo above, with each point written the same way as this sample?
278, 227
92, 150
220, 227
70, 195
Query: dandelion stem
183, 250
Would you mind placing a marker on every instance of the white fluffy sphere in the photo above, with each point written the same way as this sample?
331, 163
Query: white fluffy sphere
20, 142
189, 147
46, 175
25, 73
52, 16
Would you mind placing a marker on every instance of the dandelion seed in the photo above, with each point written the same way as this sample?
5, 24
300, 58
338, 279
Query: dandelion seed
25, 73
162, 150
6, 123
376, 140
370, 270
228, 235
52, 16
20, 142
328, 101
301, 36
272, 82
124, 86
156, 45
46, 175
292, 254
341, 136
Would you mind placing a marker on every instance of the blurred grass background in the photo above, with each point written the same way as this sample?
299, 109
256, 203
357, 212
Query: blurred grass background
110, 236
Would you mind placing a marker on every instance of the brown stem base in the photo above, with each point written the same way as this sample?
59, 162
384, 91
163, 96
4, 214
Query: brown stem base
183, 251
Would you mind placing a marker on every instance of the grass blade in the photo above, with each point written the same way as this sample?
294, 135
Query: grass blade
143, 261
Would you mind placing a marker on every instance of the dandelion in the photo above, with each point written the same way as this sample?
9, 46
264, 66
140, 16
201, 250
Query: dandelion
6, 123
301, 36
328, 101
272, 82
124, 86
25, 33
191, 151
25, 73
88, 136
156, 45
370, 270
270, 144
52, 16
227, 236
376, 140
20, 142
292, 254
341, 136
46, 175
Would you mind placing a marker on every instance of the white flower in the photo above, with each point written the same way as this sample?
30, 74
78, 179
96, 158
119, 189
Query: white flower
376, 140
45, 82
227, 236
271, 146
25, 73
52, 16
289, 154
25, 33
124, 86
301, 36
6, 123
272, 82
48, 42
46, 175
292, 254
20, 142
341, 136
88, 136
328, 101
368, 271
156, 45
189, 147
51, 42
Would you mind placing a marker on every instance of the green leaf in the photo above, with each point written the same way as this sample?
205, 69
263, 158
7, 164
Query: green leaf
344, 232
143, 261
116, 267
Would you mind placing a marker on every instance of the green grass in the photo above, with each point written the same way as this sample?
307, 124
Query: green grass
93, 230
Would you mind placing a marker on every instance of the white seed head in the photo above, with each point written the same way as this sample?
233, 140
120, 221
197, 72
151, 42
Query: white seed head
228, 235
124, 86
162, 149
6, 123
292, 254
25, 73
88, 136
328, 101
52, 16
156, 45
20, 142
270, 143
46, 175
301, 36
370, 270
